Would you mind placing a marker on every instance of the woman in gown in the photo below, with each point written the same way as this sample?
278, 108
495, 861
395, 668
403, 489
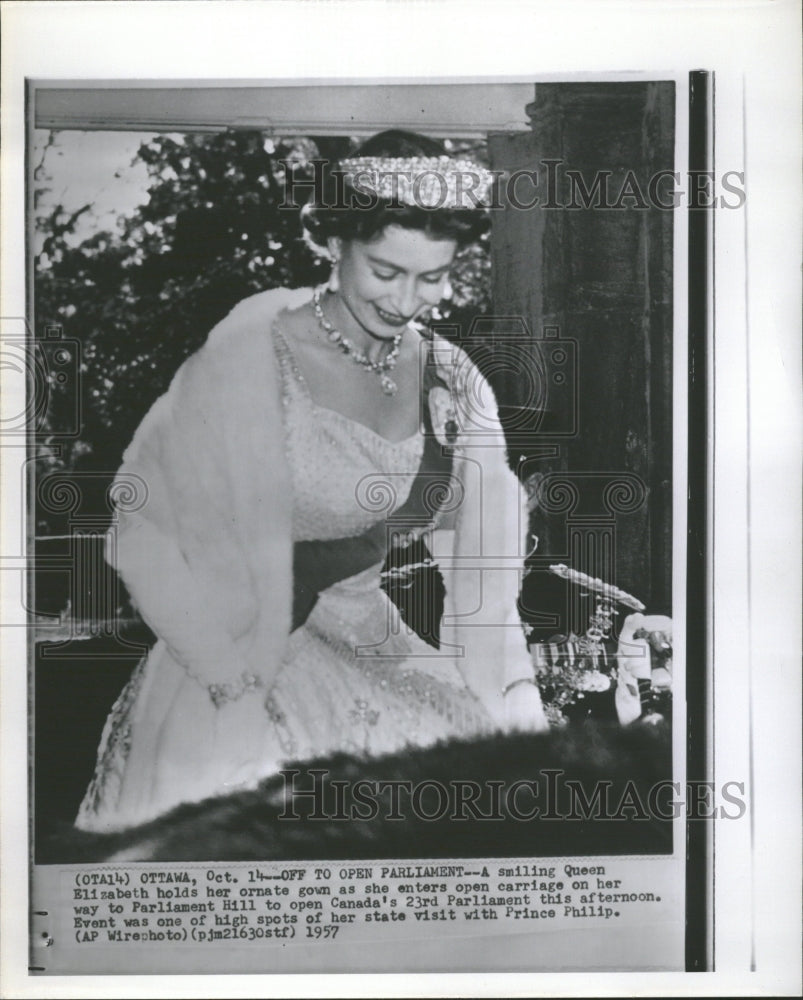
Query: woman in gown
259, 496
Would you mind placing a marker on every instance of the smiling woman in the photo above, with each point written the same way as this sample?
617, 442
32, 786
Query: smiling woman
367, 315
397, 275
315, 430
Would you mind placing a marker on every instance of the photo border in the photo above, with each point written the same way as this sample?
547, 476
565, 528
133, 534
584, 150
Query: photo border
724, 40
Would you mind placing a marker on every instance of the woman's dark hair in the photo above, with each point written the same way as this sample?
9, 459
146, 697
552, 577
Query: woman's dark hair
339, 212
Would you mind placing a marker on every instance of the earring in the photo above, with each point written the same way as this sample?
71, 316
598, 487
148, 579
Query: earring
334, 276
448, 291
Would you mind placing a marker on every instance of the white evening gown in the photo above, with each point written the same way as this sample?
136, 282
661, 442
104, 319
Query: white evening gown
354, 677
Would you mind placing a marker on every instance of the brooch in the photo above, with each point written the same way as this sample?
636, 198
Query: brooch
444, 417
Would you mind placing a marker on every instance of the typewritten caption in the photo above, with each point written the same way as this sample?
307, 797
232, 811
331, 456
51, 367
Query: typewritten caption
319, 902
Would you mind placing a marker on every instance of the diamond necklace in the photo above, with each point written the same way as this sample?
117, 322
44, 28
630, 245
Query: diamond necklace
381, 368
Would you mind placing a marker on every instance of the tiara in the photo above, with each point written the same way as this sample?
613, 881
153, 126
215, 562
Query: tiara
420, 181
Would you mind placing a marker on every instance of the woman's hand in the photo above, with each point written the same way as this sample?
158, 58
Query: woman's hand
241, 732
206, 748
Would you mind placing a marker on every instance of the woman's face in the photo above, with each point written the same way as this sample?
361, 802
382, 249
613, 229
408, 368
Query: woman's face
389, 281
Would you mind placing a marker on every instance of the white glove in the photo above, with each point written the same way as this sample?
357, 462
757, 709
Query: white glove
640, 635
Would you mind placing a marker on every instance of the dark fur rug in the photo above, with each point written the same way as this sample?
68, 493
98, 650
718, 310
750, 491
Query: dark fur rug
454, 800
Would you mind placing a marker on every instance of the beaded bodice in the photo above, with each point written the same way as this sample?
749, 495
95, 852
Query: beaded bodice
345, 476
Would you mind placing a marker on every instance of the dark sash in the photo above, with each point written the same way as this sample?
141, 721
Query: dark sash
320, 564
